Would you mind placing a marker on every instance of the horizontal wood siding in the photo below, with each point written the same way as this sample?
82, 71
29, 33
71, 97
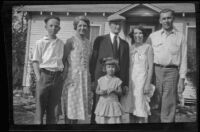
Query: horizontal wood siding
37, 32
107, 28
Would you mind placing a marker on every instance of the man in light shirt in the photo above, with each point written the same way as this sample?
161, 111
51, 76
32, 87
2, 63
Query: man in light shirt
110, 45
48, 66
170, 61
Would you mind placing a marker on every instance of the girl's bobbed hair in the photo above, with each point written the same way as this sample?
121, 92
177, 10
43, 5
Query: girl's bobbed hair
109, 61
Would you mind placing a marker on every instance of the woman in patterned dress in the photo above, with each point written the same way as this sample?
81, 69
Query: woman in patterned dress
77, 81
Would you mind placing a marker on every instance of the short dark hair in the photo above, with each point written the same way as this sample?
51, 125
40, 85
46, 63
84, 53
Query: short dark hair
116, 68
167, 10
131, 34
115, 22
81, 18
51, 17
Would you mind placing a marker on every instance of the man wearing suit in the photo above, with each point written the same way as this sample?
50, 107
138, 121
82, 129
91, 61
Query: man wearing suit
110, 45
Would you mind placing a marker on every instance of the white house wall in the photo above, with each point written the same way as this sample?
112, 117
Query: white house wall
182, 22
38, 31
66, 31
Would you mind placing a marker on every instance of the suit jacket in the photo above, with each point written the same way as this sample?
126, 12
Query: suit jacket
103, 48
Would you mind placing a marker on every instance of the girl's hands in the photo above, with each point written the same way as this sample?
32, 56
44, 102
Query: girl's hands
103, 92
106, 92
109, 91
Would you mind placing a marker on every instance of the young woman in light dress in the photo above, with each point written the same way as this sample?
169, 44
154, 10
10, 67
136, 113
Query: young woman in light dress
140, 88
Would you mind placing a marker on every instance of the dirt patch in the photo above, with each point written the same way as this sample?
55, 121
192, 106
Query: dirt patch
24, 109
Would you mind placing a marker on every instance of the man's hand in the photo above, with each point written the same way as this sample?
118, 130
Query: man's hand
181, 86
93, 89
125, 90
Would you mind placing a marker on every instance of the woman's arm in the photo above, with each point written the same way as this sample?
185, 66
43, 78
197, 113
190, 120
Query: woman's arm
67, 50
150, 68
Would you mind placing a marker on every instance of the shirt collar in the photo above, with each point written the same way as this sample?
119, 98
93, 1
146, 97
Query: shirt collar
47, 38
112, 35
174, 30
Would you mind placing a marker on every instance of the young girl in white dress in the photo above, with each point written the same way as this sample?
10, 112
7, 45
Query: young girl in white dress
108, 109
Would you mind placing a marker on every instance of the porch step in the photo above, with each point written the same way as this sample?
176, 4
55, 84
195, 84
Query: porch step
189, 101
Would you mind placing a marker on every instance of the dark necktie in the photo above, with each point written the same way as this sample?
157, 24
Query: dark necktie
115, 51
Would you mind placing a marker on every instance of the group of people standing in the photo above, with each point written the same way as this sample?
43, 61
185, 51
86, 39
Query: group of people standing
119, 75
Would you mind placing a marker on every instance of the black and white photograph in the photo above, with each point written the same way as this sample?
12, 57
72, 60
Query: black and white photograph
113, 63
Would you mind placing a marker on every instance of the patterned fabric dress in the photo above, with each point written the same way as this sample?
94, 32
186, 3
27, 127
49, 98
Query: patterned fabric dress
76, 87
108, 109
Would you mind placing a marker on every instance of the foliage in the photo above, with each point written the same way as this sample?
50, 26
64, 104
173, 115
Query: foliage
33, 81
19, 32
192, 65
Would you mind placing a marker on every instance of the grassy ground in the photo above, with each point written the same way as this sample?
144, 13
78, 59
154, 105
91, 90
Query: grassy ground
24, 109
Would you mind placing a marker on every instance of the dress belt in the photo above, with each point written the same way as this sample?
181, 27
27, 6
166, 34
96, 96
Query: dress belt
167, 66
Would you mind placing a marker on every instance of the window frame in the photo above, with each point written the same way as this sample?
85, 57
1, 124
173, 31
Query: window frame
187, 29
98, 25
186, 34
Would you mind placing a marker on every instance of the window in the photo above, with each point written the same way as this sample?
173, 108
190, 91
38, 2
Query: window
95, 30
191, 45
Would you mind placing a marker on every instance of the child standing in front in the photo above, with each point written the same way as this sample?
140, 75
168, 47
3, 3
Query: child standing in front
108, 109
48, 67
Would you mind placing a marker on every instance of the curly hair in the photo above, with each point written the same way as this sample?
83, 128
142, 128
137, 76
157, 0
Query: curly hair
131, 34
81, 18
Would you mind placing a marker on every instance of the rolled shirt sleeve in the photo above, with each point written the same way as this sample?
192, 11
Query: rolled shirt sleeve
183, 59
37, 53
